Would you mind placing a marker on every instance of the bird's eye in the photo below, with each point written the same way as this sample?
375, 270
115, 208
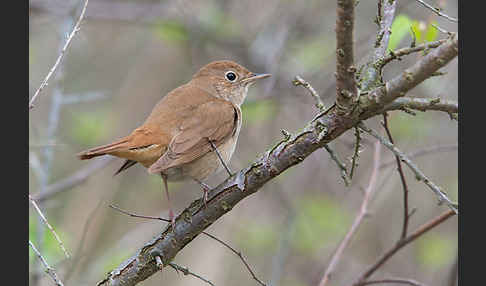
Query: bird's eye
231, 76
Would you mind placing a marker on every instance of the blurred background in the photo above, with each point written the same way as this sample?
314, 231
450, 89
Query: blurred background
129, 54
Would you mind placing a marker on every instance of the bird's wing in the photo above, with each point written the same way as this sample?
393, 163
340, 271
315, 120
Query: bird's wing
215, 121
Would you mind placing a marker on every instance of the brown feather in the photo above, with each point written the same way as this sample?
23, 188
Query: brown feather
213, 120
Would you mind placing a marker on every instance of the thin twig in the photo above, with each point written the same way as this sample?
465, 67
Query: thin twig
238, 253
77, 255
420, 176
423, 104
138, 216
401, 243
441, 30
220, 158
408, 50
357, 221
300, 81
50, 271
73, 180
394, 280
186, 271
61, 55
406, 214
43, 218
437, 11
320, 105
433, 149
357, 146
340, 164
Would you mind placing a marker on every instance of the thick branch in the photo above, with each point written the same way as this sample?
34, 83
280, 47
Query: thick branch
346, 88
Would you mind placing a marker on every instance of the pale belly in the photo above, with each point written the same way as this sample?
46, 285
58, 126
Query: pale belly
205, 166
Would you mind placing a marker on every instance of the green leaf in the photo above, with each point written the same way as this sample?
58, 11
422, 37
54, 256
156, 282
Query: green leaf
256, 237
435, 251
115, 260
404, 127
312, 54
171, 31
258, 111
88, 127
418, 28
400, 28
51, 249
320, 222
431, 33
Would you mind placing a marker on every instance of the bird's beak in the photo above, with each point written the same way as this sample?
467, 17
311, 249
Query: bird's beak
255, 76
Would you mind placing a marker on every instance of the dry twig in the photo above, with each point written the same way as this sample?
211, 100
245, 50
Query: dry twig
238, 253
357, 221
418, 174
186, 271
400, 244
406, 213
43, 218
437, 11
50, 271
60, 57
395, 281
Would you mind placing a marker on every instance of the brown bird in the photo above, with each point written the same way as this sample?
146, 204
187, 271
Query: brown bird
192, 131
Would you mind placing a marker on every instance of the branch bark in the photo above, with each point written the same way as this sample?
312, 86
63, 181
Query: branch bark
346, 88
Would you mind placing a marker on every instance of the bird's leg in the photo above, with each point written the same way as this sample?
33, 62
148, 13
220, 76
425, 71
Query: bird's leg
171, 213
215, 149
205, 188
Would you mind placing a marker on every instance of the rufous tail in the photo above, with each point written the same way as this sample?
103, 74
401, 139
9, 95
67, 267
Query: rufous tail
103, 150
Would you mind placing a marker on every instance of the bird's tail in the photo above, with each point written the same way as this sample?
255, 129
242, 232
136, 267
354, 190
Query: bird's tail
103, 150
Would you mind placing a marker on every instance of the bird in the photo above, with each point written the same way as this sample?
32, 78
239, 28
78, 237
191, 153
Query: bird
192, 132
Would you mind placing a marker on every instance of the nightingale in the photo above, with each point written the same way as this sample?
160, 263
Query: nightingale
191, 132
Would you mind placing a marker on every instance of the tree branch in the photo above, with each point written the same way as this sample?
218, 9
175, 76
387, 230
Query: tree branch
372, 74
357, 221
50, 271
423, 104
395, 281
401, 243
346, 88
437, 11
407, 51
411, 77
44, 220
420, 176
59, 58
406, 213
73, 180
